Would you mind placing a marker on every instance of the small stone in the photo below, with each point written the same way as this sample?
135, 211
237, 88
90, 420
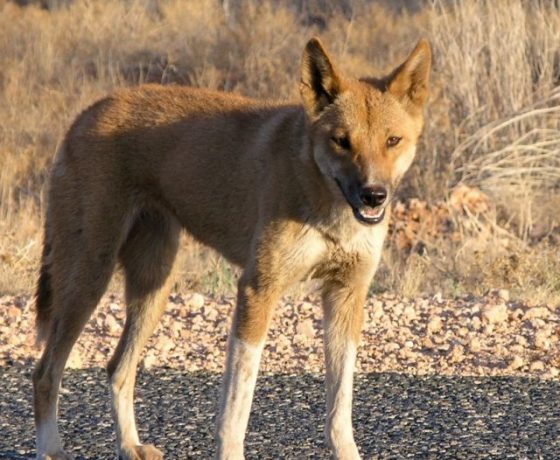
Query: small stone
537, 366
475, 345
74, 361
282, 342
537, 313
493, 314
306, 329
195, 301
457, 354
409, 313
150, 360
503, 294
211, 313
378, 311
112, 325
476, 323
463, 332
406, 353
553, 372
176, 328
428, 343
391, 346
14, 313
516, 363
542, 340
434, 325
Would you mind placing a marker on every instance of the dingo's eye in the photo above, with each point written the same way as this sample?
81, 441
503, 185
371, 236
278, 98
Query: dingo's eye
393, 140
342, 141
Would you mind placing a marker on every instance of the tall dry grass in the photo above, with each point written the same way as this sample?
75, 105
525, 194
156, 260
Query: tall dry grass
493, 122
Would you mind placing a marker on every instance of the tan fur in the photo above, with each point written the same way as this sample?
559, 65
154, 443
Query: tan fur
270, 186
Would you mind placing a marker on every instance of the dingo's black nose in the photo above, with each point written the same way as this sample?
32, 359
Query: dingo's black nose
374, 195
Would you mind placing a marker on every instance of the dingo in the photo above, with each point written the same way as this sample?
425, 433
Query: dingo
285, 191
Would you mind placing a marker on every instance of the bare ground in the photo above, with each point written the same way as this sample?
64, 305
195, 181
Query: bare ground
491, 335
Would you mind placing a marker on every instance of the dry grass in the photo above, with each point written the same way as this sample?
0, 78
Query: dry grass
493, 123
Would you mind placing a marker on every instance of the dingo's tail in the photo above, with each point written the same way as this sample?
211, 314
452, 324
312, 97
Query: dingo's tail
43, 295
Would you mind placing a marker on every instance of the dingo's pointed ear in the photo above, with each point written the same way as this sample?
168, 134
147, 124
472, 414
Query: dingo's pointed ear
320, 83
409, 81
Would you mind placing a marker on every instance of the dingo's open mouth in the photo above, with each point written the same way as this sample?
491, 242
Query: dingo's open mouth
363, 213
369, 215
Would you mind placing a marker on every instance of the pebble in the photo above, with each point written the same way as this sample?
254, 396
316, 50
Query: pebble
493, 314
409, 313
516, 363
113, 326
434, 325
453, 336
542, 339
306, 328
475, 345
503, 294
195, 301
537, 313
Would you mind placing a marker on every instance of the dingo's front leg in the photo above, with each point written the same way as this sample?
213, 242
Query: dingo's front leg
343, 307
256, 299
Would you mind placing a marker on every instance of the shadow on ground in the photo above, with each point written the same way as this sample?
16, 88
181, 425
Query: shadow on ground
395, 416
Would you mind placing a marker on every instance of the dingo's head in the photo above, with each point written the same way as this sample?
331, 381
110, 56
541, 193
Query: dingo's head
364, 132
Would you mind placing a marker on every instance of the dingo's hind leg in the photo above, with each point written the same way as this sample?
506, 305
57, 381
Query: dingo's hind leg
147, 257
81, 259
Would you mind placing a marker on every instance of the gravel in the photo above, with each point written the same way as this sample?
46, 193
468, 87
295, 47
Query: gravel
463, 378
395, 416
488, 336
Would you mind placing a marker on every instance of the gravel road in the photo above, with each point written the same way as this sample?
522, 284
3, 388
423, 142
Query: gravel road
396, 416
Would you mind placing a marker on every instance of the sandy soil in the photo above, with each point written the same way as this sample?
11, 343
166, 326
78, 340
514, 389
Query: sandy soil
493, 335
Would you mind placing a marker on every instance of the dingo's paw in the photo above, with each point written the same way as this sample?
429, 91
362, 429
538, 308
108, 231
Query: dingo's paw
60, 455
144, 452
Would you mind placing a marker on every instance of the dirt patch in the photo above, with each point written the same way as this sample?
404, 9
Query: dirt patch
490, 335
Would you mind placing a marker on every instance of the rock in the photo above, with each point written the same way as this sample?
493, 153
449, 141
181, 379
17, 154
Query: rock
391, 346
434, 325
409, 313
457, 354
282, 342
493, 314
14, 313
537, 366
476, 323
195, 301
516, 363
112, 325
553, 372
150, 360
176, 329
74, 361
475, 345
542, 339
378, 311
503, 294
428, 343
306, 328
537, 313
